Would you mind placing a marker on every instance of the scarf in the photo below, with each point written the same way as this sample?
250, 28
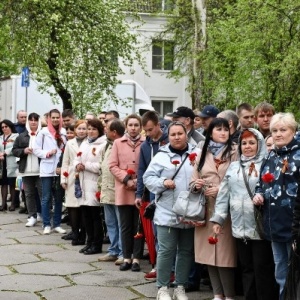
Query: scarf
215, 148
133, 140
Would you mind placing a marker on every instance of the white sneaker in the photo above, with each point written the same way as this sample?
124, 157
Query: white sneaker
39, 217
31, 222
47, 230
163, 294
60, 230
179, 293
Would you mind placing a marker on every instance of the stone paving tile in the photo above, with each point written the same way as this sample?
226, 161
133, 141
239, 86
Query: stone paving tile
5, 271
18, 296
9, 257
53, 268
71, 256
31, 283
90, 293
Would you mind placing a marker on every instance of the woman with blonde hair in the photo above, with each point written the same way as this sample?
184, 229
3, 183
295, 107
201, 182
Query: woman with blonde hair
277, 189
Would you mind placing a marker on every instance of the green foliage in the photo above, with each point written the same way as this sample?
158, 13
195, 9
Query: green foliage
76, 46
251, 55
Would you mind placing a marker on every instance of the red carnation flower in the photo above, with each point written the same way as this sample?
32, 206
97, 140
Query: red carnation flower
98, 195
138, 235
192, 156
66, 174
268, 178
213, 240
130, 172
175, 162
79, 154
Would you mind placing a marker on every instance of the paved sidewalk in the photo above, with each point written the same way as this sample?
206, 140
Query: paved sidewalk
34, 266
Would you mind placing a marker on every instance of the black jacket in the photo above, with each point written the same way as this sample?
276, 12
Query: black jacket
21, 142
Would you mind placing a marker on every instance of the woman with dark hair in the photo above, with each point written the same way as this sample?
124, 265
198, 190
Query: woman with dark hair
220, 257
9, 164
29, 167
87, 165
48, 146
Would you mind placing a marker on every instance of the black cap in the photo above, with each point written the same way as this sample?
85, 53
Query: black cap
209, 111
183, 111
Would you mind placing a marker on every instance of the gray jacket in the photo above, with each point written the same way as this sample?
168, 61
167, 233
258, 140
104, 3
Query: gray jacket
161, 168
234, 198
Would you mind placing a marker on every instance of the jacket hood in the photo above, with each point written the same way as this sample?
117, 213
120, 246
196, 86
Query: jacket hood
261, 149
163, 138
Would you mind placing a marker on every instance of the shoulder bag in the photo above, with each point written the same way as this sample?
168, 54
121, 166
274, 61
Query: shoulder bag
258, 215
150, 208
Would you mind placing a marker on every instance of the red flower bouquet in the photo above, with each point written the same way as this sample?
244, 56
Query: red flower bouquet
213, 240
192, 158
130, 172
268, 178
65, 174
98, 195
138, 235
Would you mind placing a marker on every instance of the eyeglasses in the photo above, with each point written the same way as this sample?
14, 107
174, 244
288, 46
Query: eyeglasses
4, 126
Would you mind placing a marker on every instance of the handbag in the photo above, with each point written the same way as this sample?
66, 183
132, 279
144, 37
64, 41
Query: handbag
150, 208
190, 207
258, 214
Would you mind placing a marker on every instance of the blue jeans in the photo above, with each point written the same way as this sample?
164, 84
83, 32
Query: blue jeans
174, 242
47, 193
112, 220
281, 254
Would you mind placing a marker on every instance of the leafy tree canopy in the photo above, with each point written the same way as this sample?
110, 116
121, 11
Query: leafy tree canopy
76, 46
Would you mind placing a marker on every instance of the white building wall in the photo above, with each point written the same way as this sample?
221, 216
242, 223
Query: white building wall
157, 85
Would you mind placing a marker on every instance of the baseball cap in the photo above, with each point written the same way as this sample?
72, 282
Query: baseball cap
209, 111
183, 111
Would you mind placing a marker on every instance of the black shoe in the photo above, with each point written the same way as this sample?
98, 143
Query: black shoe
191, 288
77, 242
135, 267
93, 250
85, 248
23, 210
106, 240
125, 266
69, 236
3, 208
12, 208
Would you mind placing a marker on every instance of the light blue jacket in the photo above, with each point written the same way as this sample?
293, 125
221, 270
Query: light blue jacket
233, 196
161, 168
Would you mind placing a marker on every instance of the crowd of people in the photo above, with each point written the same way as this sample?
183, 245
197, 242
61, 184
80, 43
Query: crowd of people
103, 169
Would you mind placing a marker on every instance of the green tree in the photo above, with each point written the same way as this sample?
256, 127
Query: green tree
238, 51
76, 46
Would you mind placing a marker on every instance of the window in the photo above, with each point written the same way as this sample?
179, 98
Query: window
162, 55
163, 107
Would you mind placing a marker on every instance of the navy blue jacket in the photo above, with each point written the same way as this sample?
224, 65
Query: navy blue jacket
148, 149
280, 194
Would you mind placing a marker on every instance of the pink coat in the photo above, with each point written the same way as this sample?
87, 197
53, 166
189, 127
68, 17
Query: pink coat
124, 156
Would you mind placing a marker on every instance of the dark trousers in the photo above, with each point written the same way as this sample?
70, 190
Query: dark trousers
129, 218
258, 269
93, 225
77, 223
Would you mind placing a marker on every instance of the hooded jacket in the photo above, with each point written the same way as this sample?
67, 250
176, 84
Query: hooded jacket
148, 149
28, 163
161, 168
233, 195
280, 194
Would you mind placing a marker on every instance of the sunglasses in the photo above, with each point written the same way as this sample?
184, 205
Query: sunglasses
4, 126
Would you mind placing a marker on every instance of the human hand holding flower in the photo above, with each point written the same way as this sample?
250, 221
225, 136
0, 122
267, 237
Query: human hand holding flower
258, 199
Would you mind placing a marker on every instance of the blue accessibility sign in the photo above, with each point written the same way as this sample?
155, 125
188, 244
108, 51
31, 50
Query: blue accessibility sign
25, 77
